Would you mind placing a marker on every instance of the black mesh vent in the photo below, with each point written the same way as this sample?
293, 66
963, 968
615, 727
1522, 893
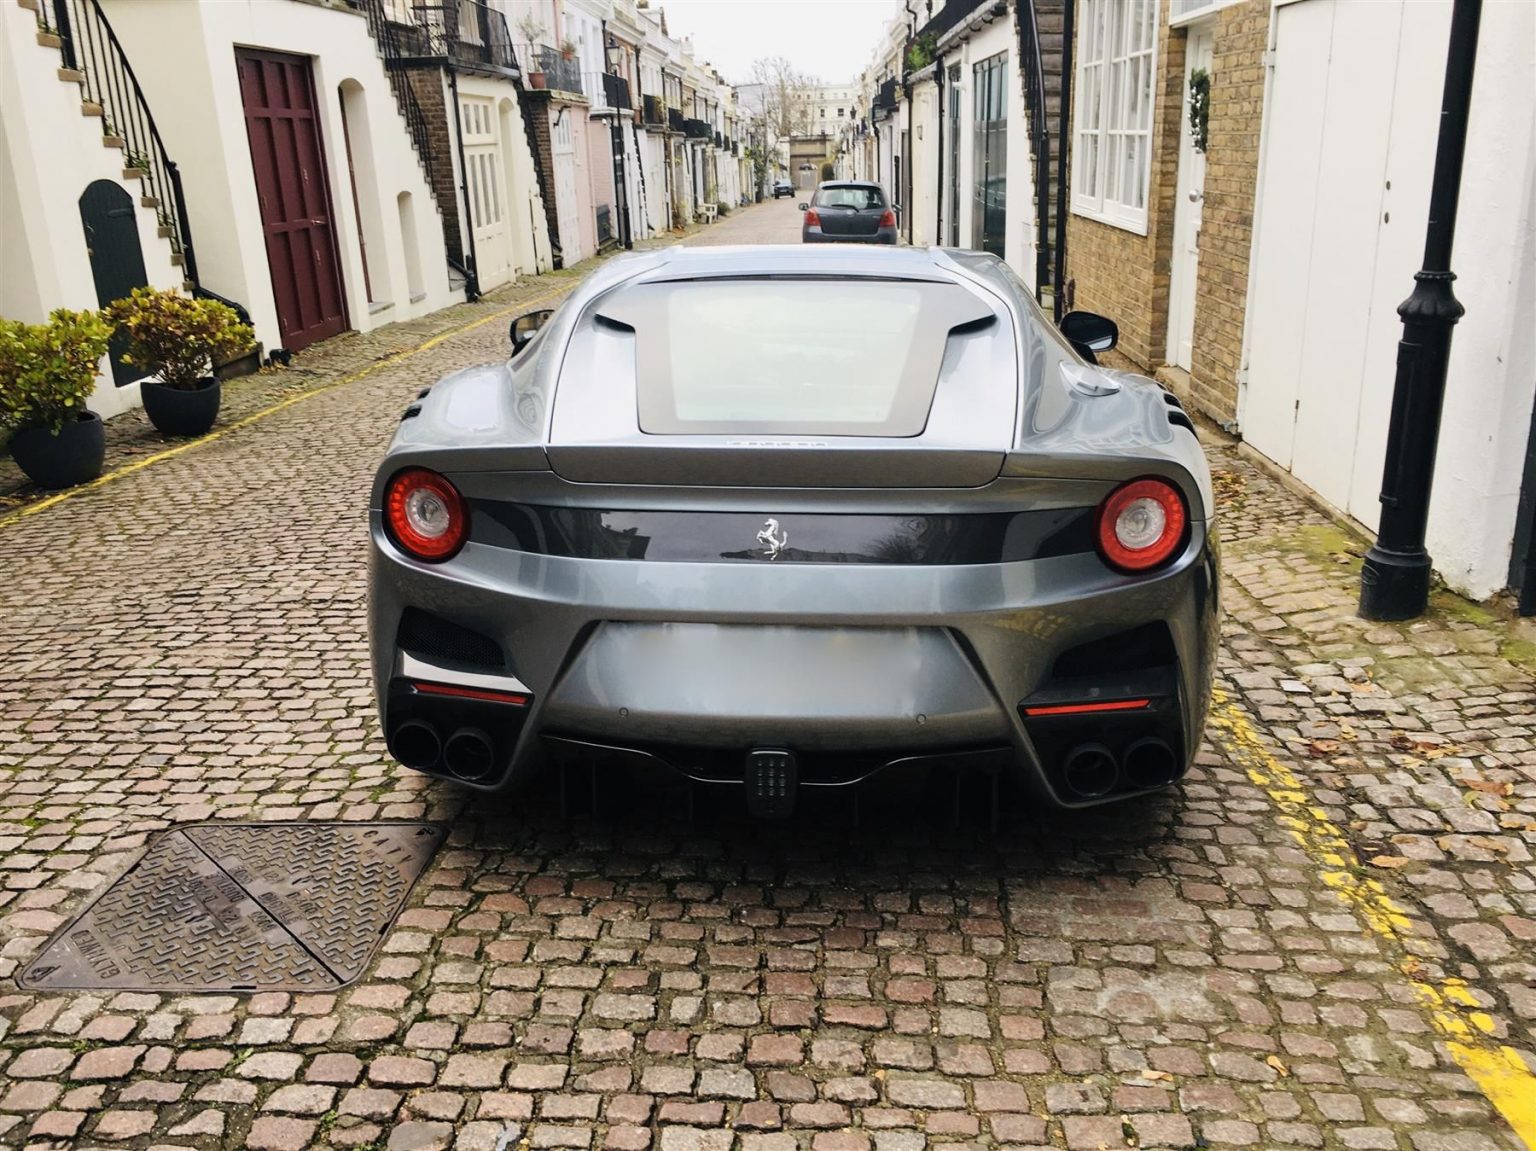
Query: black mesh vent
432, 637
1148, 646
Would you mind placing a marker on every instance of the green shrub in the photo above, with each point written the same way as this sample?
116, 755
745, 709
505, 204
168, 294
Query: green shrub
48, 371
176, 337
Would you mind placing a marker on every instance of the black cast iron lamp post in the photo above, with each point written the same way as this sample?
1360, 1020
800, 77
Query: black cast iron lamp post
1394, 583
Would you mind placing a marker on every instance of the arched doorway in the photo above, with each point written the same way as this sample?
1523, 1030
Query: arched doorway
110, 219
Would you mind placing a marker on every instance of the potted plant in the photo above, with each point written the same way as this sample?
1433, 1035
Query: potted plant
568, 48
180, 340
532, 64
47, 371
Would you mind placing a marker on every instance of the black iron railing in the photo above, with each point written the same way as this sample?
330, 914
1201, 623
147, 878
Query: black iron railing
885, 98
1032, 71
675, 120
561, 73
470, 33
696, 129
616, 91
109, 88
654, 111
395, 43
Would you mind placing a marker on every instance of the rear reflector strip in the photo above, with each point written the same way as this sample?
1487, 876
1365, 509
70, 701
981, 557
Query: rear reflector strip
1086, 708
480, 693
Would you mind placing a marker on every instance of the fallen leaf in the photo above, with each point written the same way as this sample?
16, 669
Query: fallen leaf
1162, 1076
1324, 747
1488, 786
1487, 844
1274, 1061
1390, 862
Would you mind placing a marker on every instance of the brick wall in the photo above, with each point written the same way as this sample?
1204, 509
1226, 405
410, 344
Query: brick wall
535, 103
1127, 276
427, 87
1231, 177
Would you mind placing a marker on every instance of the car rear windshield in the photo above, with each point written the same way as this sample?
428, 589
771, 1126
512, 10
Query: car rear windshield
797, 356
850, 197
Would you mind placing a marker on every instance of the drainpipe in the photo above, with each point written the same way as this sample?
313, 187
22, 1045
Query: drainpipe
1394, 583
472, 279
938, 213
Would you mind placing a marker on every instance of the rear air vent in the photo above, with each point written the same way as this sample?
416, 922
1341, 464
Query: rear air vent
1179, 420
434, 638
1139, 649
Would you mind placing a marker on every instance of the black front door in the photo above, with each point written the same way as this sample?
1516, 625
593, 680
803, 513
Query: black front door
111, 226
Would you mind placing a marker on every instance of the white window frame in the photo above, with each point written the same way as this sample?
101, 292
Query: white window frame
1182, 12
1095, 74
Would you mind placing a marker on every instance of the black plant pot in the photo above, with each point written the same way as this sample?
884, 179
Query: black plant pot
74, 456
181, 411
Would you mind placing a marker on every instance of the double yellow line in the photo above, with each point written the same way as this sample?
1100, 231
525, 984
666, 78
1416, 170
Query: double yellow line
1454, 1012
189, 445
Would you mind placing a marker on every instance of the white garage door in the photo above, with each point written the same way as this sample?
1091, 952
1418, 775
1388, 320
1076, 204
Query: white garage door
485, 168
1348, 153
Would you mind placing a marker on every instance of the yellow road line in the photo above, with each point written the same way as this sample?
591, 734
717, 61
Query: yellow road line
1453, 1010
219, 433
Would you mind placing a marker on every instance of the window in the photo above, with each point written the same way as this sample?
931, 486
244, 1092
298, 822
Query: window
1115, 84
839, 113
857, 196
989, 213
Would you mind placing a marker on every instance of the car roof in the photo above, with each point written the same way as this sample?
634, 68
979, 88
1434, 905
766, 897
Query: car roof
682, 260
847, 184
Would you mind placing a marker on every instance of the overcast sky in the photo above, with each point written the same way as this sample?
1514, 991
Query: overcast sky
829, 39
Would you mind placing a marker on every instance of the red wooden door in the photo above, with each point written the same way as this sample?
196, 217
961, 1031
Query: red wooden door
282, 121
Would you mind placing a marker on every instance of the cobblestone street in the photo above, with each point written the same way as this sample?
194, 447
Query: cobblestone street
1325, 937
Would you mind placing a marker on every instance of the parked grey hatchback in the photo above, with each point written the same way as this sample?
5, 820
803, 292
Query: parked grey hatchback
848, 212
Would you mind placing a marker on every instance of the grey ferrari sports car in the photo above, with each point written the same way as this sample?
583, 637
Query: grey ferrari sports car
784, 518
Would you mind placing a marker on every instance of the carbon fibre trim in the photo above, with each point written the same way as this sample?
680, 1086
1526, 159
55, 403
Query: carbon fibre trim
715, 537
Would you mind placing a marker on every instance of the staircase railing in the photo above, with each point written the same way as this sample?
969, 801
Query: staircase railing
90, 48
1032, 69
388, 37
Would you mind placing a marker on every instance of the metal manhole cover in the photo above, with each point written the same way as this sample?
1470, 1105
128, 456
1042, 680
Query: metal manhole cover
242, 907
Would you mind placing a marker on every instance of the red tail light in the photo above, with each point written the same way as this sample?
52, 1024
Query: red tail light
1141, 524
888, 220
812, 220
425, 515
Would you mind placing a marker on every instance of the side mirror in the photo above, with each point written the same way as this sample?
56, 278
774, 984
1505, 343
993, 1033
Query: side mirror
1090, 333
526, 326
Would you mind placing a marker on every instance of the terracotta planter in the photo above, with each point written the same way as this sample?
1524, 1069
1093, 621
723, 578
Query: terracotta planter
536, 80
182, 411
74, 456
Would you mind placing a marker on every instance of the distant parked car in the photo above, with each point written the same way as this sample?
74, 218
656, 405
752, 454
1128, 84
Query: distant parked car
848, 211
783, 188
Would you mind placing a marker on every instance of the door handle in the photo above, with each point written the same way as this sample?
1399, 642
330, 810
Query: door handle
1195, 196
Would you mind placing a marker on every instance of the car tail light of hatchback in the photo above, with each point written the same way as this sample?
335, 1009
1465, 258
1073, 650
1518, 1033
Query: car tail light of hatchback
425, 515
888, 220
812, 219
1141, 524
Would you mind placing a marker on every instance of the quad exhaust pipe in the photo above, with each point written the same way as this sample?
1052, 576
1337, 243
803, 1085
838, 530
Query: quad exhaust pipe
1091, 771
469, 754
416, 744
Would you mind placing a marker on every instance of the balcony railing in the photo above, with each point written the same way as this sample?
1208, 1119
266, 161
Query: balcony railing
675, 120
469, 33
885, 98
697, 129
655, 112
616, 91
560, 74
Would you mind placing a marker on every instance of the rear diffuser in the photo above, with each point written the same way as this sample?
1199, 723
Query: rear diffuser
242, 907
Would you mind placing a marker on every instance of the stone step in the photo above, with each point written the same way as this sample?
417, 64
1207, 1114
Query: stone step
149, 202
49, 40
91, 108
177, 259
165, 231
135, 173
113, 142
72, 76
29, 5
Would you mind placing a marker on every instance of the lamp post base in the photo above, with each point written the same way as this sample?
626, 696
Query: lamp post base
1394, 585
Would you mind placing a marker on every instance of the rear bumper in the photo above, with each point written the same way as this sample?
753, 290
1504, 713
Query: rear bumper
817, 236
824, 659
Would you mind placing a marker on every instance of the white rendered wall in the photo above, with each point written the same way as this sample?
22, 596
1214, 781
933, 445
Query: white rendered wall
49, 154
184, 54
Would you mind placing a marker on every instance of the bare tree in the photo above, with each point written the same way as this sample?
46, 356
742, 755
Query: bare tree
786, 99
